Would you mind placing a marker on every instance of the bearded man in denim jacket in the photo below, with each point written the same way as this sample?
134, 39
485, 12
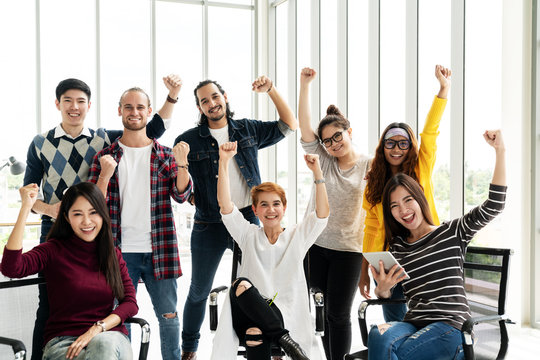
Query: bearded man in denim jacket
209, 237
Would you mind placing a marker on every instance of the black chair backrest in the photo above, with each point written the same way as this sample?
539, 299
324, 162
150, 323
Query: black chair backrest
486, 278
18, 304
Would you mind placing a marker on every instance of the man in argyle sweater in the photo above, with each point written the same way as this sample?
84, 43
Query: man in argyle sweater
62, 156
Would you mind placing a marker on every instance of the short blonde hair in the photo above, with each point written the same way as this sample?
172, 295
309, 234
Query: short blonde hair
268, 187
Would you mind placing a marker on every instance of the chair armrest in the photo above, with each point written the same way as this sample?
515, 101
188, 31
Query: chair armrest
213, 306
318, 300
468, 325
145, 335
362, 313
18, 347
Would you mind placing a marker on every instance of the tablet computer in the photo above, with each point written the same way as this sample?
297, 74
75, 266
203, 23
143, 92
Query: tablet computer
388, 259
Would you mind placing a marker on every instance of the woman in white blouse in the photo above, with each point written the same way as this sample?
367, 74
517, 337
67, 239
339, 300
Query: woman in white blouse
271, 272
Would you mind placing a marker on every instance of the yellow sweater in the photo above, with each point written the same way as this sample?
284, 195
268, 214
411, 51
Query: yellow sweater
373, 223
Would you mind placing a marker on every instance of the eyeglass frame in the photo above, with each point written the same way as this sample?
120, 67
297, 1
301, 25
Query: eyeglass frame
397, 143
333, 139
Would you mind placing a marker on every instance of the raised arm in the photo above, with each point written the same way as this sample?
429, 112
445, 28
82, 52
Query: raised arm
322, 208
173, 84
181, 151
304, 112
263, 84
226, 153
444, 76
104, 168
494, 138
29, 195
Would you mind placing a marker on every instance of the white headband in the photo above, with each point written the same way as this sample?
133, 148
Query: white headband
395, 132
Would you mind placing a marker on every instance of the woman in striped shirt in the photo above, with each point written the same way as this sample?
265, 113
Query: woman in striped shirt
433, 258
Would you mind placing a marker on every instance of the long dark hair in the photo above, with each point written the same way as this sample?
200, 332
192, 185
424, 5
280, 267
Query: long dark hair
106, 254
380, 171
392, 227
203, 118
333, 117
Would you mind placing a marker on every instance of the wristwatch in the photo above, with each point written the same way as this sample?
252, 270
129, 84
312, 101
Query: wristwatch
319, 181
101, 324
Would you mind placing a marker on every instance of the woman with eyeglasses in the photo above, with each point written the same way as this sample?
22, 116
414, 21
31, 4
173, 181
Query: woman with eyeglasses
398, 152
335, 258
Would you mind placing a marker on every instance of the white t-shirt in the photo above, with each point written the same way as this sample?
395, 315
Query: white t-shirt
240, 192
135, 197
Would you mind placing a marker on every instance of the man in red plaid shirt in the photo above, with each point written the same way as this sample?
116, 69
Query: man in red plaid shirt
138, 177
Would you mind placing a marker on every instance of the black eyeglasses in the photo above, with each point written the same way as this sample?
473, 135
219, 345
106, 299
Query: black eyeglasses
337, 137
402, 144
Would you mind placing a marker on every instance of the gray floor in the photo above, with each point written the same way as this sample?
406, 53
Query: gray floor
524, 342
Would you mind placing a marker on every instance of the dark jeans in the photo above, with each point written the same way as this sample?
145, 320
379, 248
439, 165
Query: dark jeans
42, 312
251, 310
395, 312
208, 243
337, 274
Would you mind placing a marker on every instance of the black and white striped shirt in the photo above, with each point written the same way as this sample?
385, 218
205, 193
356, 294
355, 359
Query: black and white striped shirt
435, 291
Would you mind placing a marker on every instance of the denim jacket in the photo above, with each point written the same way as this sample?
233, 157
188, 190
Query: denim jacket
203, 159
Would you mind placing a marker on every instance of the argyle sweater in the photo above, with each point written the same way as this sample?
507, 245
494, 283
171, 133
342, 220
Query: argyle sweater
58, 163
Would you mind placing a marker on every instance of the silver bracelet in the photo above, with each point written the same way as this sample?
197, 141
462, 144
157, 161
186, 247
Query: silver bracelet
319, 181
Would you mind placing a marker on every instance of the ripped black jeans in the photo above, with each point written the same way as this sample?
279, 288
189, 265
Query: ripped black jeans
251, 310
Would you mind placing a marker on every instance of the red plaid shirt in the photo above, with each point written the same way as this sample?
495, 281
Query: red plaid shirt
163, 172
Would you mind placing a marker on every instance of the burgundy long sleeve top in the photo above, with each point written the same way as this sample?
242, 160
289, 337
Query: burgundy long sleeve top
78, 293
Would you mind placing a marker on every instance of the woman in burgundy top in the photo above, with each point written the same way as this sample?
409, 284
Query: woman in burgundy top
85, 276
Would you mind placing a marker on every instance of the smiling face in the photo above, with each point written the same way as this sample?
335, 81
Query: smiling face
396, 156
338, 148
269, 209
212, 103
406, 210
84, 219
73, 106
134, 110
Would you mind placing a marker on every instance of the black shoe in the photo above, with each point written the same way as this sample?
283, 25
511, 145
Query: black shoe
292, 348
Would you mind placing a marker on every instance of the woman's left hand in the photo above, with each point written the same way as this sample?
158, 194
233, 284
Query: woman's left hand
386, 280
81, 342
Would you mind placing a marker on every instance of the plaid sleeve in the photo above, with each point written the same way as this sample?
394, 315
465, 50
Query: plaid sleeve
95, 169
178, 196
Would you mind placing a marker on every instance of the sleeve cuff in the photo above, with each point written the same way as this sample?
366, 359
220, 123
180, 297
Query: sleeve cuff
167, 123
284, 128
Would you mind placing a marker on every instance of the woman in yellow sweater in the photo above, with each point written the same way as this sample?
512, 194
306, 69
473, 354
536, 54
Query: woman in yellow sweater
398, 152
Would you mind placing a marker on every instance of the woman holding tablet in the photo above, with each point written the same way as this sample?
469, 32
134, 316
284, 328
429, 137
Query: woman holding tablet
398, 152
433, 258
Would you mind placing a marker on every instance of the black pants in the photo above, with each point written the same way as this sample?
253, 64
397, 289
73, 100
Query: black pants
337, 274
251, 310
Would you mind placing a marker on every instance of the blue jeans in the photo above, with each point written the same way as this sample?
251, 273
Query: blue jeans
110, 345
404, 341
208, 243
42, 312
395, 312
163, 294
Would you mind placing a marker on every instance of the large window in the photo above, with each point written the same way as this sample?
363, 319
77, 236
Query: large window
114, 46
434, 46
479, 157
